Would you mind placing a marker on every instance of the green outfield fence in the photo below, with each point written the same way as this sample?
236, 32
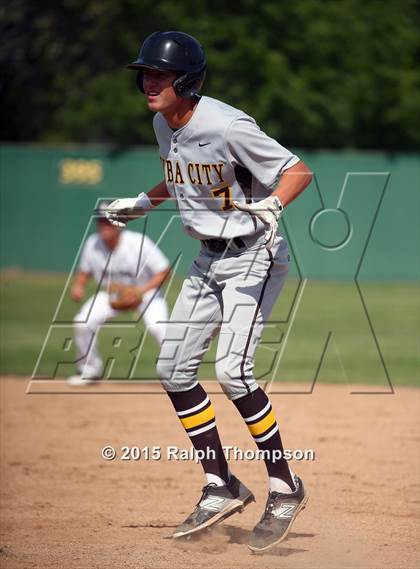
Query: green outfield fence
360, 217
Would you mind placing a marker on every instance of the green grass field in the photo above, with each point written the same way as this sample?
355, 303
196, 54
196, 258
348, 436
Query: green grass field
325, 333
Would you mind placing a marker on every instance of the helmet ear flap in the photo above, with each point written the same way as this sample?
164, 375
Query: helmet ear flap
139, 81
179, 85
189, 84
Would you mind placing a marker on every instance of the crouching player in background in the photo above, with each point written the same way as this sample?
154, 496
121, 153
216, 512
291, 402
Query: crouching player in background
130, 270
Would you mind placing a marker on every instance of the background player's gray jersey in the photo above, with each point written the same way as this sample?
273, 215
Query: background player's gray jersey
219, 156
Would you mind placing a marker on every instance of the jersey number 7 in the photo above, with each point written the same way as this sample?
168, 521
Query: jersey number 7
224, 192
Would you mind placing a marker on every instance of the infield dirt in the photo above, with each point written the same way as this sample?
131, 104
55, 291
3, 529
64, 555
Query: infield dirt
63, 505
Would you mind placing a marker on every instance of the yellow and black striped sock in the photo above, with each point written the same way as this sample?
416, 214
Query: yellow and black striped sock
196, 414
258, 414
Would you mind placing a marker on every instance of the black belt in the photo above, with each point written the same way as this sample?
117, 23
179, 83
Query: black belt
220, 245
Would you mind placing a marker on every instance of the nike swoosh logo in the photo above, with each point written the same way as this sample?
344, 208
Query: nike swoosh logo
204, 143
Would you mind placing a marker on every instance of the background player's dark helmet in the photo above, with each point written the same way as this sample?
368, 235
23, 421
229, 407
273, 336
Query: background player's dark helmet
173, 51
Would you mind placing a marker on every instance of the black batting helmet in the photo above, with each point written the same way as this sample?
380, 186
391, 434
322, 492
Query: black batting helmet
173, 51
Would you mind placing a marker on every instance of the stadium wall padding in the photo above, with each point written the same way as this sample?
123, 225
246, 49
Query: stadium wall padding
359, 217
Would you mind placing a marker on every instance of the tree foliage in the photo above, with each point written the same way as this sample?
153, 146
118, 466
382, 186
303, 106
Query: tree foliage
314, 73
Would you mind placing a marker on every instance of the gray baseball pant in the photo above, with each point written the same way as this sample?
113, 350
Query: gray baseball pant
230, 295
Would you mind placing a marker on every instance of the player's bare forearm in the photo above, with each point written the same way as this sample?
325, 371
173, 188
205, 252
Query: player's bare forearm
292, 183
77, 291
82, 278
156, 281
158, 194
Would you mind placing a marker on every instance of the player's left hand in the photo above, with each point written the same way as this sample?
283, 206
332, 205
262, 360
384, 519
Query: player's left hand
124, 297
268, 211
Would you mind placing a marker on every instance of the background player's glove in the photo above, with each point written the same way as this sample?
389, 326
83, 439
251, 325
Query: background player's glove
120, 211
268, 211
124, 297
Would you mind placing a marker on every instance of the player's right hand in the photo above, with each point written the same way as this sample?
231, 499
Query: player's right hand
77, 293
120, 211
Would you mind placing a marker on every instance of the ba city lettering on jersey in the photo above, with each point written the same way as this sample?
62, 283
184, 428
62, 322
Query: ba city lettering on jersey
196, 173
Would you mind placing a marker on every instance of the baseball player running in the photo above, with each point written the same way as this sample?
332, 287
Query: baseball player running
130, 269
231, 182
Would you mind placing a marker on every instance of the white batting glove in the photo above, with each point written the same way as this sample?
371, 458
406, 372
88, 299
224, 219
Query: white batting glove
121, 211
268, 211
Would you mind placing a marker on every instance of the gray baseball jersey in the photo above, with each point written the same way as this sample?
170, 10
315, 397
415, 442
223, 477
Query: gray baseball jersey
219, 156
